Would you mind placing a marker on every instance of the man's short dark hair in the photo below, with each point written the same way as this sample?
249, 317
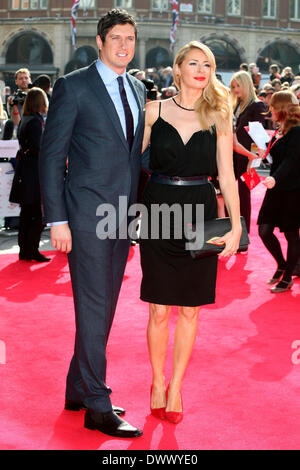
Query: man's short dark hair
112, 18
43, 82
244, 66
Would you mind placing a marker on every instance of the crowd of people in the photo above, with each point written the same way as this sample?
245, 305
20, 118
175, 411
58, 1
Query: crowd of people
72, 162
161, 82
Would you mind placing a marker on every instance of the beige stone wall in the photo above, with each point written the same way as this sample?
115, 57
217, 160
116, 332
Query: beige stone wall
151, 34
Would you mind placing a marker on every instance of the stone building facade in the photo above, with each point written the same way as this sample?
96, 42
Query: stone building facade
37, 33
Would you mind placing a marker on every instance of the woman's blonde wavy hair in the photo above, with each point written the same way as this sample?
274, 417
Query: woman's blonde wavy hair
245, 82
213, 107
287, 108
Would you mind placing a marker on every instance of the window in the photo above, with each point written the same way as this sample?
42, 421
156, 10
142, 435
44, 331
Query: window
87, 4
234, 7
269, 8
205, 6
161, 5
29, 4
295, 9
123, 4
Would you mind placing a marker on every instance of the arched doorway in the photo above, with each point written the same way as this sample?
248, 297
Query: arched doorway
158, 57
29, 49
85, 54
280, 52
82, 57
226, 54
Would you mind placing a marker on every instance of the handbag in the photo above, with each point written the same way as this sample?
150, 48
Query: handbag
213, 229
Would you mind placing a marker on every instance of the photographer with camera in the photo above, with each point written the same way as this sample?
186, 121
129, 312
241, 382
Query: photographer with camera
16, 101
287, 76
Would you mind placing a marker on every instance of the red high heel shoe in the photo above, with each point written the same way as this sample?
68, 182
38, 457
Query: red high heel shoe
174, 416
157, 412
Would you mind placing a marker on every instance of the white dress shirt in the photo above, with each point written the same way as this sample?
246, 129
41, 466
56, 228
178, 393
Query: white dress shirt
109, 78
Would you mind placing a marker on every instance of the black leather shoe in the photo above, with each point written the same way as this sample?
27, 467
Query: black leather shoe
109, 423
118, 410
78, 405
39, 258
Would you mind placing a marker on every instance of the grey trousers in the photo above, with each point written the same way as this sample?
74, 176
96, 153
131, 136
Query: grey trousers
96, 270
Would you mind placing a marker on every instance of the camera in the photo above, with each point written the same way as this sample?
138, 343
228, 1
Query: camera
151, 92
19, 98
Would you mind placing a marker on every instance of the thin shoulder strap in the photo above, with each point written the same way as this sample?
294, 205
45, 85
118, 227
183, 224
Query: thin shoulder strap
159, 108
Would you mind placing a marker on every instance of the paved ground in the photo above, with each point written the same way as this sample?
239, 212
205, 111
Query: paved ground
9, 241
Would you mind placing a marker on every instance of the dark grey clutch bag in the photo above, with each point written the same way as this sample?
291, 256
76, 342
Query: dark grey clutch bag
212, 229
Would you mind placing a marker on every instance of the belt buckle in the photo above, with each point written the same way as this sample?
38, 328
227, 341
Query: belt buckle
176, 178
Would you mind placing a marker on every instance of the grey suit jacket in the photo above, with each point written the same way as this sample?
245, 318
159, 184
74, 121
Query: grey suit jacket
83, 126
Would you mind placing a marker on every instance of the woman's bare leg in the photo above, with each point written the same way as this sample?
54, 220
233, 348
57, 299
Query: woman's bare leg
157, 336
185, 335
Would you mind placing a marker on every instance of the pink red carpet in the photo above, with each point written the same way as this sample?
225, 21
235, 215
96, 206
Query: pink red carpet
241, 390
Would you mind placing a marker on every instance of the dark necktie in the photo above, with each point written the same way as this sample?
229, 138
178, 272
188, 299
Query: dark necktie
127, 111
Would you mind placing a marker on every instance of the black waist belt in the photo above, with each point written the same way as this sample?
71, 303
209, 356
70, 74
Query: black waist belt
179, 180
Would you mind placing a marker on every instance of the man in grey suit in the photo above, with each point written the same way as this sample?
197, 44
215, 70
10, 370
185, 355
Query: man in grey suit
96, 122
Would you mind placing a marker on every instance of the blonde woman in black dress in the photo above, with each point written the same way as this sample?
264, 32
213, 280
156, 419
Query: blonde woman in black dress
190, 138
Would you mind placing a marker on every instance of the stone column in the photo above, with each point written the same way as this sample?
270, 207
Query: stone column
62, 46
142, 53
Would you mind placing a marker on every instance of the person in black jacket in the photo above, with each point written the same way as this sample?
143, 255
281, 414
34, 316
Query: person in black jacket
280, 207
247, 108
26, 188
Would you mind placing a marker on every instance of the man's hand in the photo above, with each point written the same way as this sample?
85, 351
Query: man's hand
15, 115
10, 100
61, 238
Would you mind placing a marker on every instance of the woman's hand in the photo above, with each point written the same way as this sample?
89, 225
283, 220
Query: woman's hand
253, 156
249, 169
269, 182
232, 242
261, 153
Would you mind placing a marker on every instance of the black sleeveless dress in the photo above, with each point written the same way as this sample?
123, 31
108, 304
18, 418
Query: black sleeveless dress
170, 275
